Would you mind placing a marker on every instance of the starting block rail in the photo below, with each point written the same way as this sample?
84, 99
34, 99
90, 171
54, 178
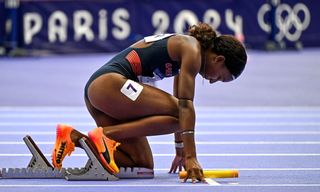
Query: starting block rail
40, 168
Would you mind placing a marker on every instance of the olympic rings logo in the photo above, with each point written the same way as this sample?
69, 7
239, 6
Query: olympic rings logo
291, 22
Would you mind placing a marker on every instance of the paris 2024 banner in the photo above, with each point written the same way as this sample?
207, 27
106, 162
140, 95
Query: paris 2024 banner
77, 26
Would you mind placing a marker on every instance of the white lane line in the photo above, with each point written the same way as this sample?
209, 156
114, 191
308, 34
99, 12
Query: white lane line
244, 109
54, 124
279, 169
212, 182
27, 132
250, 116
256, 132
217, 115
199, 155
45, 115
198, 143
42, 108
242, 142
197, 132
23, 143
267, 123
200, 108
256, 169
214, 124
246, 155
167, 185
274, 185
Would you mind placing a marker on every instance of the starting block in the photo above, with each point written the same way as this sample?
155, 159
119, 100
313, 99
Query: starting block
40, 168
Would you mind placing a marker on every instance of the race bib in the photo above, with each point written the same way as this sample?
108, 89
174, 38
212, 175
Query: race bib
131, 89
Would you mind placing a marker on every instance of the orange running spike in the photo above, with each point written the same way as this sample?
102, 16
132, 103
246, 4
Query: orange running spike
106, 148
63, 145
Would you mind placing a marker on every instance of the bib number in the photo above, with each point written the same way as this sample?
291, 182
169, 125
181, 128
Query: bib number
131, 89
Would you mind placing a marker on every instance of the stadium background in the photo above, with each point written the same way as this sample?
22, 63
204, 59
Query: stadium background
41, 27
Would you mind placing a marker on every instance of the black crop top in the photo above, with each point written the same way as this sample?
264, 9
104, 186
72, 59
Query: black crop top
152, 61
155, 59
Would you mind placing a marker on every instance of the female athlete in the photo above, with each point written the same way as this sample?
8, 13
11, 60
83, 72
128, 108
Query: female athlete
126, 111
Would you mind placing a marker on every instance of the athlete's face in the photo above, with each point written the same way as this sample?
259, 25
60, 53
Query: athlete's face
214, 69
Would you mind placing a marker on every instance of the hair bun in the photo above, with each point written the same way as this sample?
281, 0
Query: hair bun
204, 33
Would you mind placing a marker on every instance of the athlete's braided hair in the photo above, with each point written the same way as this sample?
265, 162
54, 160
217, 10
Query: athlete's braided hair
226, 45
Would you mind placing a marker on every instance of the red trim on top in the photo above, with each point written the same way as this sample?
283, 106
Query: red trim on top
135, 62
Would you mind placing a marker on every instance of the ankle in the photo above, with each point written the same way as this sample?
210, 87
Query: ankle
76, 136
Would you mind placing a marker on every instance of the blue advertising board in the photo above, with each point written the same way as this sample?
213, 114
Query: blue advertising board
73, 26
2, 23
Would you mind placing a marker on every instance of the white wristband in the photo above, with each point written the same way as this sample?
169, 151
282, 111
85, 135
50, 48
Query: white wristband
179, 145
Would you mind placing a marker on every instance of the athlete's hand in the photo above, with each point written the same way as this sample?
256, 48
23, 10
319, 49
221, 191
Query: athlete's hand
194, 170
178, 162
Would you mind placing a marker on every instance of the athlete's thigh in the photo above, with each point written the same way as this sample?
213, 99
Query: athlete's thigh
132, 151
101, 119
105, 94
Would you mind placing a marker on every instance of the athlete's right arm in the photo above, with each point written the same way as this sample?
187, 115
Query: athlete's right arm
190, 56
178, 162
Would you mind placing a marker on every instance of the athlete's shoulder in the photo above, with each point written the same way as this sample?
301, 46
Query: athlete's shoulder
185, 41
183, 45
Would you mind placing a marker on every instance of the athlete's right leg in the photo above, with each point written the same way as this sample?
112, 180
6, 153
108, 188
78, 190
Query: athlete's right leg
154, 112
134, 152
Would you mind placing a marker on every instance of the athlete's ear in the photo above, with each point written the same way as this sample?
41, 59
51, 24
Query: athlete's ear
219, 59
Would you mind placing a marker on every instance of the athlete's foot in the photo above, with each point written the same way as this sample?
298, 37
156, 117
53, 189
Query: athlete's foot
63, 146
105, 148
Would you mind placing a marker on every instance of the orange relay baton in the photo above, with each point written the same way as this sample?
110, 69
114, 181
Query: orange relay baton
214, 174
